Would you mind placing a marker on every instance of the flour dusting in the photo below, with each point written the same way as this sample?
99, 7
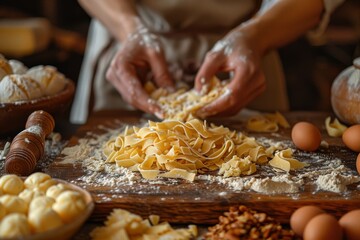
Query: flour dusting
323, 174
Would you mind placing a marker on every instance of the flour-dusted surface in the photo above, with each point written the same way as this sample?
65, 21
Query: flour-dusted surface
54, 144
323, 173
202, 201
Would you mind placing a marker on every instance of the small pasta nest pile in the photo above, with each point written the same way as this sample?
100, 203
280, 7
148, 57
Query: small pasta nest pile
176, 149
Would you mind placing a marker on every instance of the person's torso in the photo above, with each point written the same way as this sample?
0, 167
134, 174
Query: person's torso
202, 15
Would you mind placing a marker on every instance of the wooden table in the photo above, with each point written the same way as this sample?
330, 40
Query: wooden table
181, 208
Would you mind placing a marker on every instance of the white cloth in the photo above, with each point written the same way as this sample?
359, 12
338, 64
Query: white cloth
192, 37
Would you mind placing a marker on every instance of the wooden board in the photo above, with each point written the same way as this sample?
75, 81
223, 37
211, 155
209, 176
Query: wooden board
202, 202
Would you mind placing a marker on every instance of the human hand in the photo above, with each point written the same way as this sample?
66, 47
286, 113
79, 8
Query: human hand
235, 53
141, 51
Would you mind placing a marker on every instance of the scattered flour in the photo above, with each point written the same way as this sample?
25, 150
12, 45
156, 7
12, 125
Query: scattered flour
335, 182
275, 185
323, 174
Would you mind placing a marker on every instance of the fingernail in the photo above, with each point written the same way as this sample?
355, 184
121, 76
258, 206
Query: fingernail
159, 114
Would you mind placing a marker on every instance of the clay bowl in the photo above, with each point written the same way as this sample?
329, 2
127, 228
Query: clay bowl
68, 230
13, 116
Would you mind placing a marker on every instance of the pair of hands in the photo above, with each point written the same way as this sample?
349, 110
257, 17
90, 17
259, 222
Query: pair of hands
234, 53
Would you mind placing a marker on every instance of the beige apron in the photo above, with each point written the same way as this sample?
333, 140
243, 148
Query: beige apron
188, 29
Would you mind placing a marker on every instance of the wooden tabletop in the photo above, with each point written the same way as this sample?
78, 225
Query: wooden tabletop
198, 202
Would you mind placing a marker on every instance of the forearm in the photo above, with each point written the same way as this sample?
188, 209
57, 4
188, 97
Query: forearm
283, 22
119, 16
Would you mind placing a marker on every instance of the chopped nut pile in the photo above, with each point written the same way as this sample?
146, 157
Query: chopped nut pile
244, 223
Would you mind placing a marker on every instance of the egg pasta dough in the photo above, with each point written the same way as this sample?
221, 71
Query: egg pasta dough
183, 104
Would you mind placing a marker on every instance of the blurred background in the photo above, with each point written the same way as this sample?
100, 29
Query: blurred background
60, 30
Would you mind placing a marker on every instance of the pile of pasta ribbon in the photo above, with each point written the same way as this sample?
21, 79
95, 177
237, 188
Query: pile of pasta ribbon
176, 149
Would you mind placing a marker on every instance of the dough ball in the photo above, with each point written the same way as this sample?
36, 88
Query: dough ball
5, 68
44, 186
10, 91
69, 205
41, 203
2, 211
36, 179
55, 190
11, 184
28, 195
14, 225
14, 204
17, 67
49, 78
42, 220
17, 87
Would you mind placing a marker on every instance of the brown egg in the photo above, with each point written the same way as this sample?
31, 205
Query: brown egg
302, 216
358, 163
306, 136
350, 222
351, 137
323, 227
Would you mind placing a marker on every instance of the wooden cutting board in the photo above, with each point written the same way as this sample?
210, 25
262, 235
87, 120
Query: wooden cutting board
202, 202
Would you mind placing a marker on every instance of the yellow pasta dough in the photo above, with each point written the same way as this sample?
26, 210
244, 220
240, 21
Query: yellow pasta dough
11, 184
69, 204
180, 150
14, 225
14, 204
284, 160
55, 190
2, 211
122, 224
267, 122
183, 104
41, 203
335, 128
42, 220
38, 180
28, 195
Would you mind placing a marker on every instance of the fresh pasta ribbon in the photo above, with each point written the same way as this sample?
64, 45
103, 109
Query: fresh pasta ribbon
267, 122
237, 166
261, 124
176, 149
121, 224
278, 118
335, 128
284, 160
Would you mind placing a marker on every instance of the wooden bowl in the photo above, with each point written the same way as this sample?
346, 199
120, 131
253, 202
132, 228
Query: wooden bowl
68, 230
13, 116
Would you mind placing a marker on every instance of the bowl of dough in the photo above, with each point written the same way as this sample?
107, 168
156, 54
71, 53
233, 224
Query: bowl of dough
41, 207
24, 90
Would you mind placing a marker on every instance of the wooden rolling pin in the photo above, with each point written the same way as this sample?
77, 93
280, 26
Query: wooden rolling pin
29, 145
